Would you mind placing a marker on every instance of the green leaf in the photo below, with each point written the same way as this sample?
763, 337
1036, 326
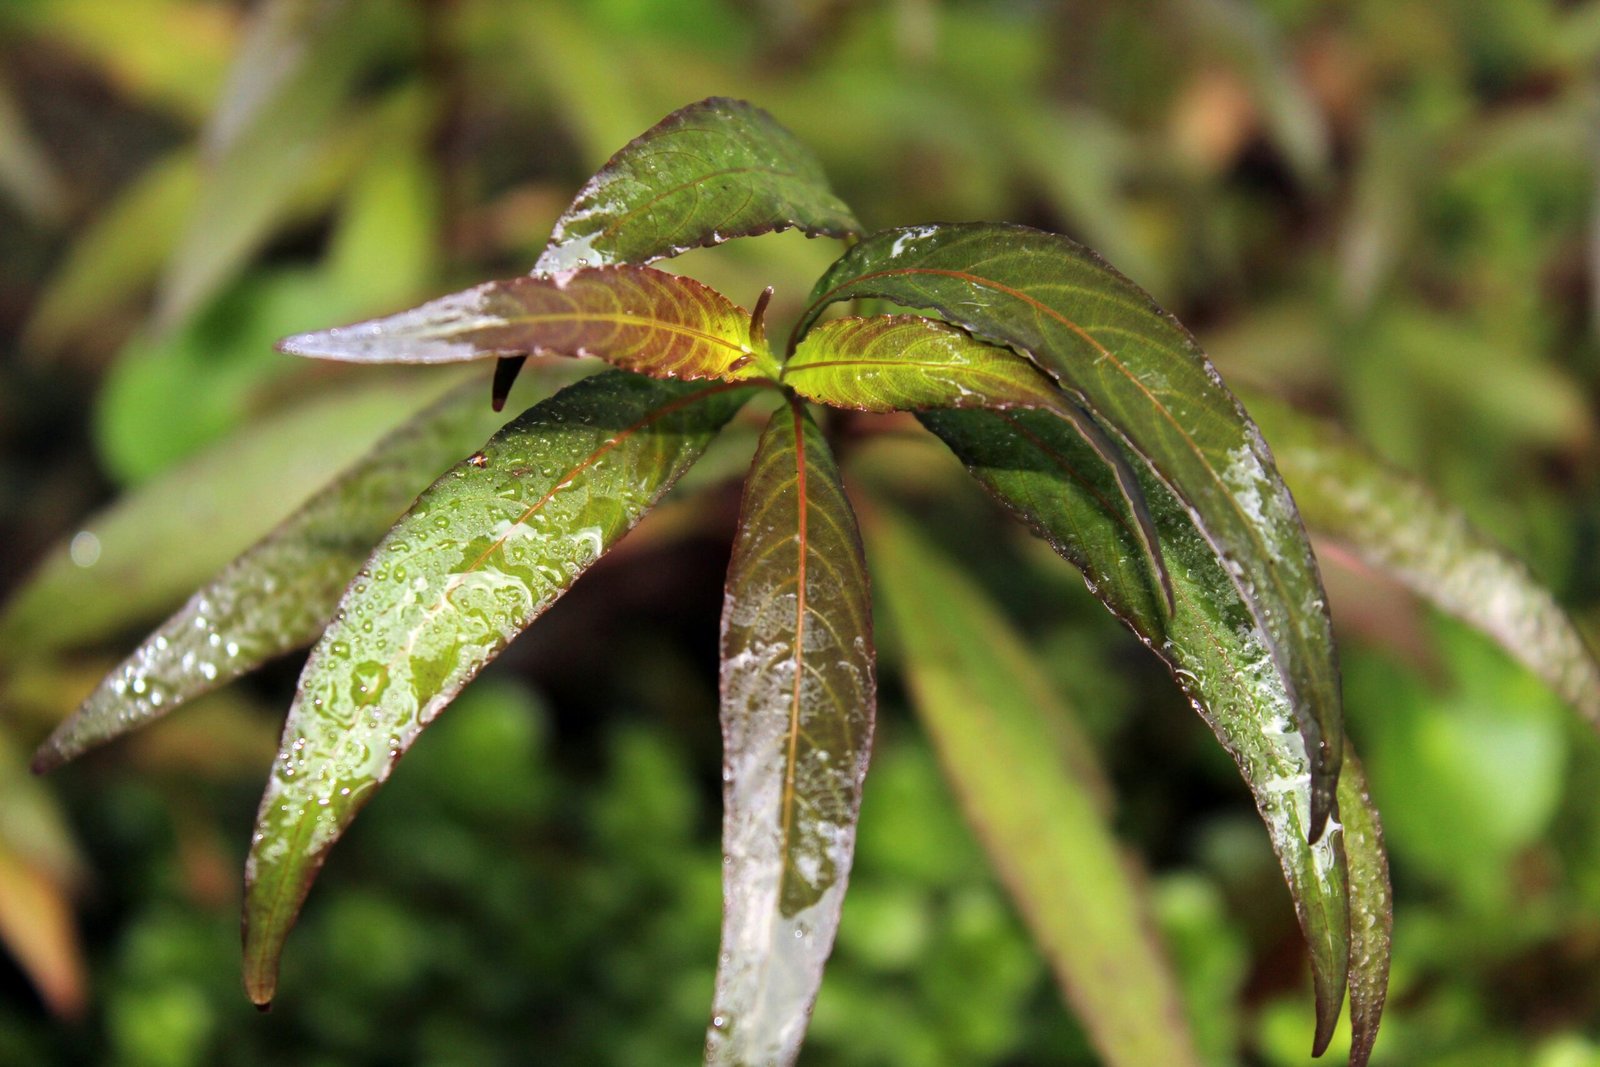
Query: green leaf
148, 547
481, 554
636, 318
708, 172
1053, 481
280, 594
1144, 375
798, 702
909, 363
1371, 909
1396, 524
1031, 788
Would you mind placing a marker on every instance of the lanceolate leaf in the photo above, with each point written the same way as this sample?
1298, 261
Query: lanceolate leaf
909, 363
1014, 758
481, 554
1399, 526
1146, 377
280, 594
708, 172
1371, 909
1211, 642
797, 712
636, 318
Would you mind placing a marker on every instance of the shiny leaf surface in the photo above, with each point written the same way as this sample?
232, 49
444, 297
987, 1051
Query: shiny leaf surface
798, 702
909, 363
636, 318
1145, 376
483, 552
1397, 525
146, 547
1053, 481
1371, 909
280, 594
1030, 786
708, 172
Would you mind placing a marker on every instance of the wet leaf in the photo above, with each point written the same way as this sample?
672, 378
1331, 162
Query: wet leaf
1212, 643
146, 546
798, 701
280, 594
1371, 909
1145, 376
481, 554
909, 363
1397, 525
1030, 786
636, 318
708, 172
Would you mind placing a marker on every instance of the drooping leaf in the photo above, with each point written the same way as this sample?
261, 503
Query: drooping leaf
798, 701
146, 546
1396, 524
1146, 377
708, 172
1211, 642
481, 554
636, 318
280, 594
1371, 909
909, 363
1032, 790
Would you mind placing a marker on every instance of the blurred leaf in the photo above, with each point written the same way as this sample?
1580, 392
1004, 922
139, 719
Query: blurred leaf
117, 254
385, 251
1052, 480
1371, 910
27, 175
269, 153
1395, 524
279, 595
1035, 797
798, 704
908, 363
37, 927
145, 547
1141, 372
480, 555
707, 172
636, 318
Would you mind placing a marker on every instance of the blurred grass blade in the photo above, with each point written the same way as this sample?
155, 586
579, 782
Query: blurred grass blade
798, 701
708, 172
146, 547
1144, 375
1397, 525
909, 363
273, 144
276, 51
27, 176
636, 318
1371, 910
1052, 480
1002, 737
481, 554
279, 595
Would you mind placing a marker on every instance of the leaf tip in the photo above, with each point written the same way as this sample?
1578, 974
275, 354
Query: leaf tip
46, 759
506, 369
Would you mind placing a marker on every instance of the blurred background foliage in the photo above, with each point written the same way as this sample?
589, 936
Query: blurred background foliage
1385, 211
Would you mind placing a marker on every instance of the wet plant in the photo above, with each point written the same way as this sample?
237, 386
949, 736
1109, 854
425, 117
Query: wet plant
1076, 402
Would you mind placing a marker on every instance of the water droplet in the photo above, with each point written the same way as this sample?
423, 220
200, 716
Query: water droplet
84, 549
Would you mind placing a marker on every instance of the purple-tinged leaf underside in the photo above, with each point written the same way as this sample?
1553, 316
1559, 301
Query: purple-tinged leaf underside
909, 363
1031, 789
798, 701
636, 318
483, 552
1142, 374
279, 595
1053, 481
708, 172
1395, 524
